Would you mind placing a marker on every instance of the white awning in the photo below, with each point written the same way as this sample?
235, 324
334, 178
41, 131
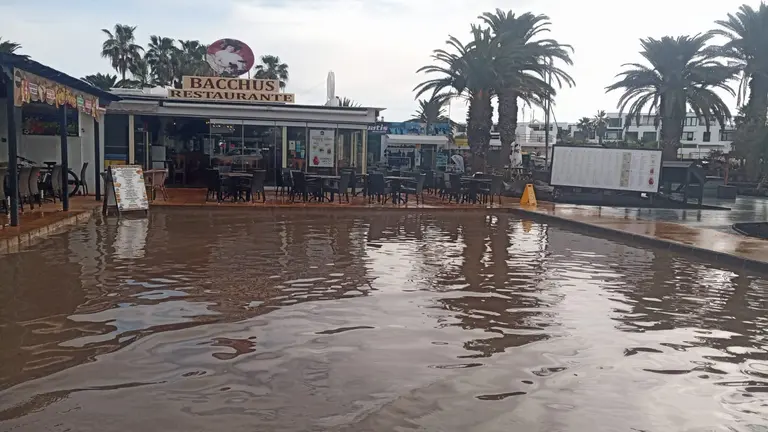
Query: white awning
400, 140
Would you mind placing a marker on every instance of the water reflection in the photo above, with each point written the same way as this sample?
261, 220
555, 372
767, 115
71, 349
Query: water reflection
286, 320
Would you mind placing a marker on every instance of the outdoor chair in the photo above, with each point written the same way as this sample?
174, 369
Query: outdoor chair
214, 184
341, 187
453, 188
494, 188
34, 187
24, 193
287, 183
3, 196
429, 181
56, 183
157, 183
416, 188
377, 187
257, 186
83, 184
300, 186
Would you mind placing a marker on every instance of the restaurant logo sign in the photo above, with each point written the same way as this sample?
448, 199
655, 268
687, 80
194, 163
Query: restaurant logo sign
231, 89
378, 128
28, 88
229, 57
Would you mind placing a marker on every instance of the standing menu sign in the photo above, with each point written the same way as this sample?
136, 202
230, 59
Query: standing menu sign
125, 189
321, 148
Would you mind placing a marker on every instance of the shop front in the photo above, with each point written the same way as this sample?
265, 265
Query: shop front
188, 134
413, 145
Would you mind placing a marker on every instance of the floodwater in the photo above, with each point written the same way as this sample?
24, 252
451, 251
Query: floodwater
218, 320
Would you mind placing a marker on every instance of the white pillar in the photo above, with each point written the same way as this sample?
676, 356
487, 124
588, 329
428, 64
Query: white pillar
131, 140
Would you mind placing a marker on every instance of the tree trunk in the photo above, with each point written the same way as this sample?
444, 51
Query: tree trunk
479, 122
671, 132
755, 127
508, 126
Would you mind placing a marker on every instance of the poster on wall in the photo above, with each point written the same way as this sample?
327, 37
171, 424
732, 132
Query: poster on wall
28, 87
321, 148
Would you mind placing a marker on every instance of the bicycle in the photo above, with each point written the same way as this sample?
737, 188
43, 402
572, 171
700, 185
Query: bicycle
73, 181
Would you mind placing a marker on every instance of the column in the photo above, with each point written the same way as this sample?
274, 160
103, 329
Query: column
131, 140
285, 147
97, 158
64, 157
13, 151
365, 151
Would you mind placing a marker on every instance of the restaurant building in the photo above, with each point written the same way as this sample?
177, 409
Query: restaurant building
214, 121
37, 103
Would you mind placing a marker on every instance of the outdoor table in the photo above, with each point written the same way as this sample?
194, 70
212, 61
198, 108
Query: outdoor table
473, 189
396, 183
323, 179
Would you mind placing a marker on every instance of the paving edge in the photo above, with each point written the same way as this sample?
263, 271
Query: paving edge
698, 252
15, 243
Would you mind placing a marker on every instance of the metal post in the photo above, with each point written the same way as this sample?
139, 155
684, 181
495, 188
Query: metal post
546, 119
64, 158
97, 153
13, 151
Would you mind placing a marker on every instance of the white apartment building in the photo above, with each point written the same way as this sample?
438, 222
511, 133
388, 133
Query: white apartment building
696, 142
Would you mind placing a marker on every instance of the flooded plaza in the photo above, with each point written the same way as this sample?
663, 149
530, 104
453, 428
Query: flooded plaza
292, 320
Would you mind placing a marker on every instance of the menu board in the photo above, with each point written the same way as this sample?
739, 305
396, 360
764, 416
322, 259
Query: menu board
128, 184
321, 148
606, 168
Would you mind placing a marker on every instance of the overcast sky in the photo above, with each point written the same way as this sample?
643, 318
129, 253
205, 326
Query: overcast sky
373, 46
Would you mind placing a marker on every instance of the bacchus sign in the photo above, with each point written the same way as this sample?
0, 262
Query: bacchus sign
231, 89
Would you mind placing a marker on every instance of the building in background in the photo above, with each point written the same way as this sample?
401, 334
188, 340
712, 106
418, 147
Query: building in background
696, 142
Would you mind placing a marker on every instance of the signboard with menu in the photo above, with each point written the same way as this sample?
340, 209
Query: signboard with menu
125, 189
321, 148
606, 168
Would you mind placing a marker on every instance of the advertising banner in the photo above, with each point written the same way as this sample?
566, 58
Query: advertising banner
322, 145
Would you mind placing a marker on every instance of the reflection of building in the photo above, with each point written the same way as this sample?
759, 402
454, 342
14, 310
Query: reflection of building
189, 135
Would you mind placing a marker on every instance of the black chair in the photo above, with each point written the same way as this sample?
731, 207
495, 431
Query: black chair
286, 184
303, 187
416, 188
494, 188
377, 187
453, 188
342, 186
429, 181
214, 184
82, 183
3, 196
257, 186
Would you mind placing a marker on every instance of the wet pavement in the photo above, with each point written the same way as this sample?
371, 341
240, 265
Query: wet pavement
208, 320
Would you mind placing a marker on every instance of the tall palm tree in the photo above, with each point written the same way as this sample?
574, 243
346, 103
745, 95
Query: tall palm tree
585, 126
432, 110
121, 48
161, 57
102, 81
467, 70
525, 71
747, 35
682, 75
600, 125
272, 68
190, 61
9, 47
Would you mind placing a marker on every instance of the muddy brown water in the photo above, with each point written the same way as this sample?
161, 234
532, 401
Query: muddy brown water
218, 320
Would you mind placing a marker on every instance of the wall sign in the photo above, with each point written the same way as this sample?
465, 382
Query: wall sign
28, 87
231, 89
321, 148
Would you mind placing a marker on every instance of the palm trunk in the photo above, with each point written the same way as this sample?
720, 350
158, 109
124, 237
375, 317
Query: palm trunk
479, 122
755, 125
671, 132
508, 125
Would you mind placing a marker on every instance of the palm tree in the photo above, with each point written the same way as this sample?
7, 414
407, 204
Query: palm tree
432, 110
121, 48
468, 72
190, 61
9, 47
682, 75
747, 34
585, 126
102, 81
271, 68
599, 125
524, 67
161, 57
347, 102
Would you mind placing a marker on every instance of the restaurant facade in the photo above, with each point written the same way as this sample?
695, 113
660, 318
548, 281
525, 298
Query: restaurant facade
215, 121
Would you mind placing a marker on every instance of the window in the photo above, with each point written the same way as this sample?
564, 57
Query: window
690, 121
647, 120
707, 136
613, 135
649, 136
726, 135
631, 137
688, 136
614, 122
